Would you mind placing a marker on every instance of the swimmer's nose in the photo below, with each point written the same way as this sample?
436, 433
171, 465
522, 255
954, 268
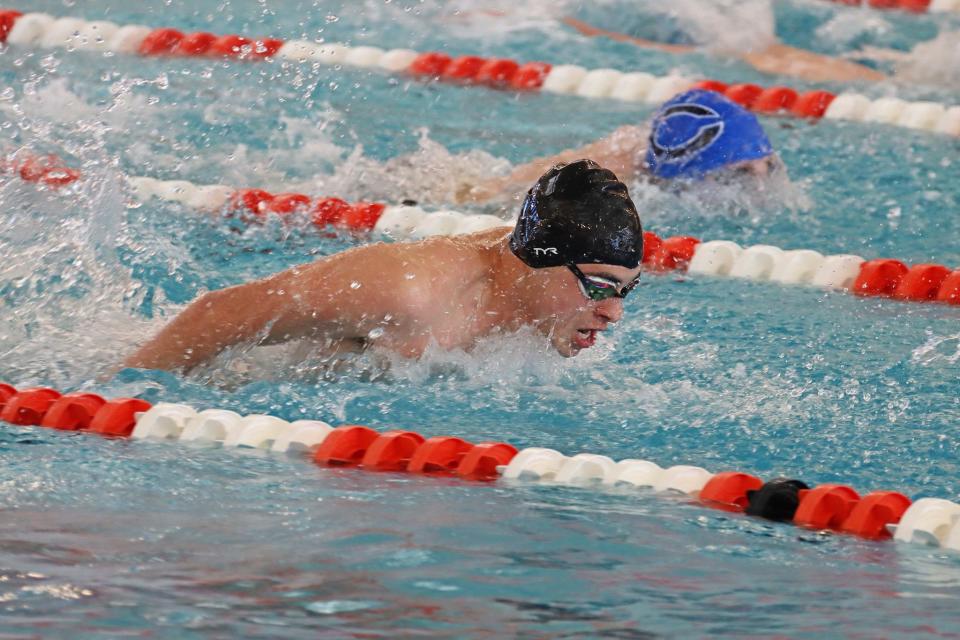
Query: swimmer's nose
610, 310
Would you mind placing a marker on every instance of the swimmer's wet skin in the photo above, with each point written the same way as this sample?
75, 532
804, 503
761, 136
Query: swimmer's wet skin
564, 270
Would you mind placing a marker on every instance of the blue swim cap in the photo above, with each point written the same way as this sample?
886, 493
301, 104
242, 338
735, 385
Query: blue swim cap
701, 131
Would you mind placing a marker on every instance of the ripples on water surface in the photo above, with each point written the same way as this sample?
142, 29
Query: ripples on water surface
106, 538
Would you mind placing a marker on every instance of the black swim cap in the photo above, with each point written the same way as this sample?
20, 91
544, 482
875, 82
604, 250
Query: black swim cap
578, 213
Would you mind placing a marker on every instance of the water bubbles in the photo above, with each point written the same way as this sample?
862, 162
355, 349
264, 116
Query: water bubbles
375, 333
355, 285
938, 350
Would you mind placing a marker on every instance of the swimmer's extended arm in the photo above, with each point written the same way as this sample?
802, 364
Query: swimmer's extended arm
341, 297
592, 31
617, 152
784, 60
776, 59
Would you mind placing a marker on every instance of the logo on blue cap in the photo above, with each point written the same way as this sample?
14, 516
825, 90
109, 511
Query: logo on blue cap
701, 131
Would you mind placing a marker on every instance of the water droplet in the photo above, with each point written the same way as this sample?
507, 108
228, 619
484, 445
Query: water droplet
355, 285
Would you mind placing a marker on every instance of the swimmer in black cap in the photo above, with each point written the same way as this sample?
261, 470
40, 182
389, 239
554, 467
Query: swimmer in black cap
573, 256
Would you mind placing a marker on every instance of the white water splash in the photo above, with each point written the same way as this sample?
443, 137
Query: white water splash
749, 197
430, 175
938, 350
722, 26
844, 28
935, 62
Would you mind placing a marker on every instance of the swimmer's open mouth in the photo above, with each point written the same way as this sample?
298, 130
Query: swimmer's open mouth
585, 337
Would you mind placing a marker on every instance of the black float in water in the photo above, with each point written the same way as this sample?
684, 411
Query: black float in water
776, 500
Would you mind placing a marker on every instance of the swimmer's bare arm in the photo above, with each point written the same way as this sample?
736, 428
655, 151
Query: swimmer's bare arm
592, 31
777, 58
342, 297
785, 60
617, 152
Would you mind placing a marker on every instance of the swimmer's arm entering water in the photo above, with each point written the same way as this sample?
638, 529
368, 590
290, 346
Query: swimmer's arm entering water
617, 152
777, 59
592, 31
340, 298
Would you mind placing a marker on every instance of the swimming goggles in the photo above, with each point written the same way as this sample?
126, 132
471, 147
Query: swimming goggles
599, 288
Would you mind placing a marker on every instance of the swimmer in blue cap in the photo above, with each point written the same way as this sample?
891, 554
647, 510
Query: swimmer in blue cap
564, 270
701, 132
696, 136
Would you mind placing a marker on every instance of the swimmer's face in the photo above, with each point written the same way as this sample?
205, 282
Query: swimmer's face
743, 173
747, 170
570, 319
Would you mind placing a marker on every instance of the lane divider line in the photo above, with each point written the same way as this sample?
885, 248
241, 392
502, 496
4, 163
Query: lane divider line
882, 277
45, 31
910, 6
878, 515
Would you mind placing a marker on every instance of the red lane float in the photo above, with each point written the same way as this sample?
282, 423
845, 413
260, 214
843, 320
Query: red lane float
7, 20
728, 490
672, 253
355, 445
879, 277
775, 100
6, 392
118, 417
46, 407
922, 282
73, 411
345, 445
48, 170
826, 506
194, 44
744, 94
911, 6
392, 451
160, 42
441, 454
27, 407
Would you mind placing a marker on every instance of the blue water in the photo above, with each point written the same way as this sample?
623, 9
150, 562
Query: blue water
110, 538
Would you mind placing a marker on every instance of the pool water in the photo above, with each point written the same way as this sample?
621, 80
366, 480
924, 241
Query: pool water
113, 538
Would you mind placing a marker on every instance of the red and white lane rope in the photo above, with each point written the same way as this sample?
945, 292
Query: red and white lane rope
877, 515
880, 277
43, 30
911, 6
883, 277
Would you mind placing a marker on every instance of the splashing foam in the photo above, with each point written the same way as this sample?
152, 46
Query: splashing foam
845, 28
493, 21
67, 301
722, 26
430, 175
935, 62
69, 304
749, 197
938, 350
